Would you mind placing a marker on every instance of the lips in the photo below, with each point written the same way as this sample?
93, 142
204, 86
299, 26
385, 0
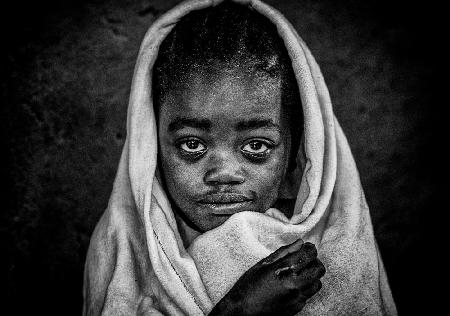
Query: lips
225, 203
224, 198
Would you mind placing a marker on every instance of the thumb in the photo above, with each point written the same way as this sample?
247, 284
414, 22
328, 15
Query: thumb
283, 252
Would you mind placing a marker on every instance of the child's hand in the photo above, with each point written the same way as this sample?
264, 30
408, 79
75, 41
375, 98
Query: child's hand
279, 284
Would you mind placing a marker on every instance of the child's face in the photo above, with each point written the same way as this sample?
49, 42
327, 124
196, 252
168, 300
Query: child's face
224, 146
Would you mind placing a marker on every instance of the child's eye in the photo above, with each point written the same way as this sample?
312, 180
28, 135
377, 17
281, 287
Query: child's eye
257, 149
192, 146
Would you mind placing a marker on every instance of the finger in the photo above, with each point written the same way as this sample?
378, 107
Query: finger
312, 273
295, 262
283, 251
308, 253
313, 289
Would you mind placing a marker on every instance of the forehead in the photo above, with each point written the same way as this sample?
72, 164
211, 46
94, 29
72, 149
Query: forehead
225, 95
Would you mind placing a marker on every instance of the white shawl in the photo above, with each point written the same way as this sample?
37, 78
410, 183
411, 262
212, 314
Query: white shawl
137, 264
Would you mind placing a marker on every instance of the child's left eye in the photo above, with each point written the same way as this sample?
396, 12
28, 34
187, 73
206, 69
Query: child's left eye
256, 147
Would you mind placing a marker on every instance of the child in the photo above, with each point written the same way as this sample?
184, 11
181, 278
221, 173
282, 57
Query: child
233, 159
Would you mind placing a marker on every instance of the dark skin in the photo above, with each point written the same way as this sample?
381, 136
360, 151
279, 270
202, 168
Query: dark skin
224, 149
283, 281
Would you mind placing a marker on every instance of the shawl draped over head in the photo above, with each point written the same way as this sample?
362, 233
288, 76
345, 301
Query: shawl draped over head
137, 263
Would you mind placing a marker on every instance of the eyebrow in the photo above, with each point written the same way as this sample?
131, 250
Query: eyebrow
182, 122
204, 124
255, 124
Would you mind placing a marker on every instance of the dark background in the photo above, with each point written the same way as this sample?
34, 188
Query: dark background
66, 69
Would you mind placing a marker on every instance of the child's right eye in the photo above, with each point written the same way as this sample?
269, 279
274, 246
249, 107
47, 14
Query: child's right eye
192, 146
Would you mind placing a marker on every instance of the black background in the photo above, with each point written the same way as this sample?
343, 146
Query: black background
66, 69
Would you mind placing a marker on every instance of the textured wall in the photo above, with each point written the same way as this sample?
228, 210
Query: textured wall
65, 81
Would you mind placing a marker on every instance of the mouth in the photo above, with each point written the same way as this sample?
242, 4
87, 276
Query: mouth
225, 204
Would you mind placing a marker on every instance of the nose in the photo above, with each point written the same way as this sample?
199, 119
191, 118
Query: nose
222, 169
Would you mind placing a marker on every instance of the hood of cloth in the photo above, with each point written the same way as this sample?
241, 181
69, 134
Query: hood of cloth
137, 261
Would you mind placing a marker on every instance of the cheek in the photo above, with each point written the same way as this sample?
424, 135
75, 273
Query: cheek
266, 178
182, 179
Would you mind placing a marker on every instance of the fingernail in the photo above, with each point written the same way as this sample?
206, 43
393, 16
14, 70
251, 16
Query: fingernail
296, 245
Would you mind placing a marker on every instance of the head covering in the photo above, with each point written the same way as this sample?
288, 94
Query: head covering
137, 263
